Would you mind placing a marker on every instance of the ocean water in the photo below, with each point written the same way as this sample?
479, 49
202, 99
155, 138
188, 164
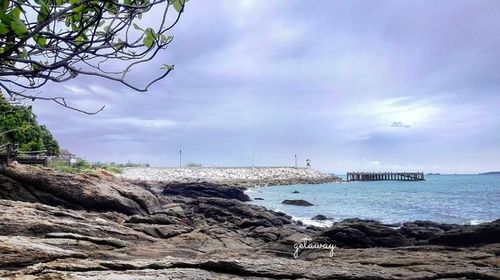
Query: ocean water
461, 199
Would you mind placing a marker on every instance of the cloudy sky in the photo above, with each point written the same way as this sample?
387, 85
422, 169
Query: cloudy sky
351, 85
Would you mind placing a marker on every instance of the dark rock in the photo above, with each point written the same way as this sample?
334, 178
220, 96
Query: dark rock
203, 189
297, 202
486, 233
424, 230
258, 198
295, 192
356, 233
320, 218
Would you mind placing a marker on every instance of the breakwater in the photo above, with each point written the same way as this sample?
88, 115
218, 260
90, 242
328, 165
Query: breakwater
243, 176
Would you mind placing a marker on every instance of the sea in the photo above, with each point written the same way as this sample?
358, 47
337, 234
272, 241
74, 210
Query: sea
457, 199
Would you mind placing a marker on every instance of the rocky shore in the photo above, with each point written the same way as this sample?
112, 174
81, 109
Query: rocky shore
95, 226
241, 176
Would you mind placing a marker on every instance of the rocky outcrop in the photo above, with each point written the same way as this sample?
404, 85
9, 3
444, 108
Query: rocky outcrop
297, 202
210, 233
472, 235
354, 233
204, 189
90, 192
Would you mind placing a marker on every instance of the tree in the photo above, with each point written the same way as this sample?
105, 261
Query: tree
58, 40
18, 125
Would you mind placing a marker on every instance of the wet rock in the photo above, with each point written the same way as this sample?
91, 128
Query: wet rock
470, 235
296, 202
320, 218
258, 198
295, 192
355, 233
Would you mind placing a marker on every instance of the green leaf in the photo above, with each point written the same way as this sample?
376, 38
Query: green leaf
44, 12
5, 4
4, 29
67, 21
137, 27
166, 39
167, 67
18, 27
24, 54
148, 41
178, 5
79, 40
15, 13
40, 41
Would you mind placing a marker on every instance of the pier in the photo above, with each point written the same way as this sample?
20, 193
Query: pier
385, 176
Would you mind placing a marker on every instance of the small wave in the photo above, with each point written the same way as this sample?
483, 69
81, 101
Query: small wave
476, 222
309, 222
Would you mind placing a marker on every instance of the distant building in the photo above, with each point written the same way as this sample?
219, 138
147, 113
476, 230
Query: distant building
66, 155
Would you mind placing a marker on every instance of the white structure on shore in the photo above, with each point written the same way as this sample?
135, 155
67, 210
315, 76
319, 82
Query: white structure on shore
225, 174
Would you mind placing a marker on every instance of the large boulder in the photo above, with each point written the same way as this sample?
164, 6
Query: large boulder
486, 233
204, 189
424, 230
356, 233
76, 191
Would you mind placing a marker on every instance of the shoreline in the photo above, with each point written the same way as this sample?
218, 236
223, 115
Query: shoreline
98, 226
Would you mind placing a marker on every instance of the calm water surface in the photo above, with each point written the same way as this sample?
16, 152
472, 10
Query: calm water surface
463, 199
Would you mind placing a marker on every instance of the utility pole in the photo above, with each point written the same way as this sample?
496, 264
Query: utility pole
180, 158
295, 161
253, 161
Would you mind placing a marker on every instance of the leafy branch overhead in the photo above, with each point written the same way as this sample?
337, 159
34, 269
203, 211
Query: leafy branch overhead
58, 40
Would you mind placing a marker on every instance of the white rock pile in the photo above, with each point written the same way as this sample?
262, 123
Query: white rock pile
260, 175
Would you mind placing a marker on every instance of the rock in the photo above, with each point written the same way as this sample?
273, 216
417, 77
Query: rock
297, 202
247, 177
258, 198
97, 193
355, 233
423, 230
195, 190
320, 218
211, 236
469, 235
295, 192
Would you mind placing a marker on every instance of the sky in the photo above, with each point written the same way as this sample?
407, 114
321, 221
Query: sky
350, 85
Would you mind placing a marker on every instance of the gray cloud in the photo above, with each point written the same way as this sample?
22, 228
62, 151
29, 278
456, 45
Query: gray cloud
323, 80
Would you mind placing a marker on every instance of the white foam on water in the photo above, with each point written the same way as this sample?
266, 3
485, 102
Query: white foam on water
309, 222
476, 222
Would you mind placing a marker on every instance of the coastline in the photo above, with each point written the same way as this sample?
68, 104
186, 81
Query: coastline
97, 226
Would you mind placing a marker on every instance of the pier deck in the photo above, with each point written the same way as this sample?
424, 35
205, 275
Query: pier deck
385, 176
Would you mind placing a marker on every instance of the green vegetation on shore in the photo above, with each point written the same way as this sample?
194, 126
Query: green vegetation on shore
83, 166
18, 125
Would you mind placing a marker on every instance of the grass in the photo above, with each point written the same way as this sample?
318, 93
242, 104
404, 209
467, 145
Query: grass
82, 166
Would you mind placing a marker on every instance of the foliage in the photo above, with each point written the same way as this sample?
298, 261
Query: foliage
18, 125
192, 164
85, 166
58, 40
